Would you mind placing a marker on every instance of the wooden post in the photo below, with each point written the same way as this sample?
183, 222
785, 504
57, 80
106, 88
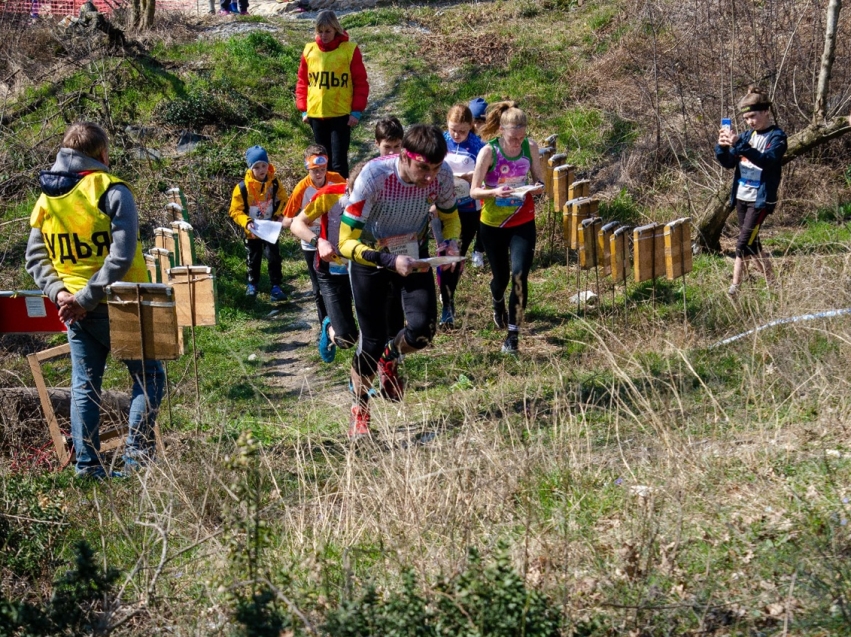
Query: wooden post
579, 189
580, 210
588, 254
176, 196
552, 164
649, 248
164, 264
195, 295
151, 265
604, 245
545, 154
145, 327
164, 238
551, 141
678, 258
619, 247
185, 242
60, 445
562, 178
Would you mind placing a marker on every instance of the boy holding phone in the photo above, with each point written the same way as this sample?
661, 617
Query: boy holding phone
756, 156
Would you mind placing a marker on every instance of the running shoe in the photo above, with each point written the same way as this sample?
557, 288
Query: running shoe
510, 346
447, 317
278, 294
478, 260
98, 473
327, 348
358, 422
224, 12
734, 289
392, 385
500, 315
251, 290
243, 13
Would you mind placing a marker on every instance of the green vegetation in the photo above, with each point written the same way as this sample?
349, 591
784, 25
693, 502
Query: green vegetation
623, 475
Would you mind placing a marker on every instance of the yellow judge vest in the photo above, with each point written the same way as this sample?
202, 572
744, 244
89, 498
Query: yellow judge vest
329, 80
77, 234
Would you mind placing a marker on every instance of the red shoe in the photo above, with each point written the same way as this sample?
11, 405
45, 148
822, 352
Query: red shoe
392, 385
358, 422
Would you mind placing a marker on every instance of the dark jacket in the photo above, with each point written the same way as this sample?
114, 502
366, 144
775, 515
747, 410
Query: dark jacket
769, 160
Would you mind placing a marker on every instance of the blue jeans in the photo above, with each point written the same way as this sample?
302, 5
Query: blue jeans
89, 341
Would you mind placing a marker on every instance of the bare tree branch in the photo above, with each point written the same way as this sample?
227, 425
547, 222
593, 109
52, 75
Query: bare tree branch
827, 57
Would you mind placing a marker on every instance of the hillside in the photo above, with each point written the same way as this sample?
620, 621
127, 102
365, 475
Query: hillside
625, 475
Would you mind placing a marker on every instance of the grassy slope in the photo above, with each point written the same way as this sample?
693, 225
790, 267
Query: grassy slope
647, 482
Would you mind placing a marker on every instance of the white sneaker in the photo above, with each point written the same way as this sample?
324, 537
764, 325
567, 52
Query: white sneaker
733, 290
478, 259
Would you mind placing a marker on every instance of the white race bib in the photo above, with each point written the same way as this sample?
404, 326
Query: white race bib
401, 244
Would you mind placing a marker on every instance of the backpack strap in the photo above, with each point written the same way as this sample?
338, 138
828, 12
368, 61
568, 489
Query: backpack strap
244, 192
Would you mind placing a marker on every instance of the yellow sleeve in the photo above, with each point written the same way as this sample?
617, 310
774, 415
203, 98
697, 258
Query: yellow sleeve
451, 224
237, 208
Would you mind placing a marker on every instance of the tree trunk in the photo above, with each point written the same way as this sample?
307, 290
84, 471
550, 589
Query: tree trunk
827, 57
710, 222
142, 14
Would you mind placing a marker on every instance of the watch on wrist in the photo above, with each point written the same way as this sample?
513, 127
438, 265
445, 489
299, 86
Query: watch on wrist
314, 241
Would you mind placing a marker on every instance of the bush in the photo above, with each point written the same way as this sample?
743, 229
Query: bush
202, 106
73, 609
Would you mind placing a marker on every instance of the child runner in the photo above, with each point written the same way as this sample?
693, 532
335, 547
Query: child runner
463, 147
508, 221
259, 196
756, 155
478, 106
332, 89
388, 136
382, 232
318, 176
319, 225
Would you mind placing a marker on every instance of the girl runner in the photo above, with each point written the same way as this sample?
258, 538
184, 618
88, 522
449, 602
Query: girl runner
463, 147
505, 164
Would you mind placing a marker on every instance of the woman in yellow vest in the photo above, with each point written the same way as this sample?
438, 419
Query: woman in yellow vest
84, 237
332, 89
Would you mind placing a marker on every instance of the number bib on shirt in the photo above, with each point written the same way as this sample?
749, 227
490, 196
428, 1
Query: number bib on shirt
339, 267
401, 244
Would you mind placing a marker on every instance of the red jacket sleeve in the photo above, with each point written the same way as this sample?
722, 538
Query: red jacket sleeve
301, 86
360, 85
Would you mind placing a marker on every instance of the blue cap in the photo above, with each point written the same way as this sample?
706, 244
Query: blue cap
255, 154
478, 106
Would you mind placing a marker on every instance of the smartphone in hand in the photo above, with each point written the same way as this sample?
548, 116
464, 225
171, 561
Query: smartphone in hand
727, 123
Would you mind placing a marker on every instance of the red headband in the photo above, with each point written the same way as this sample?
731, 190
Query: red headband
416, 156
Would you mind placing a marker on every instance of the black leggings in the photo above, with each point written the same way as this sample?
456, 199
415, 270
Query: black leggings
370, 287
256, 249
337, 298
750, 220
309, 258
448, 279
335, 134
510, 252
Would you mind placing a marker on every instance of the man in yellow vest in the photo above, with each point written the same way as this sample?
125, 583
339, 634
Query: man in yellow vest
84, 237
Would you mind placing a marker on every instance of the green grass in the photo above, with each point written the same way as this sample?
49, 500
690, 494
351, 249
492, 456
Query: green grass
649, 483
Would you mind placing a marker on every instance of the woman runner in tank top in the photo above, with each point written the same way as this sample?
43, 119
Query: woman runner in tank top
508, 163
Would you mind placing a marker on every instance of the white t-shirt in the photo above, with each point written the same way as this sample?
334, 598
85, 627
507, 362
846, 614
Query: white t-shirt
750, 175
388, 207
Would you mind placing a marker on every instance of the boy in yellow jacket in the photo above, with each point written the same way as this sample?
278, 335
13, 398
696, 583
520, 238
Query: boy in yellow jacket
259, 196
